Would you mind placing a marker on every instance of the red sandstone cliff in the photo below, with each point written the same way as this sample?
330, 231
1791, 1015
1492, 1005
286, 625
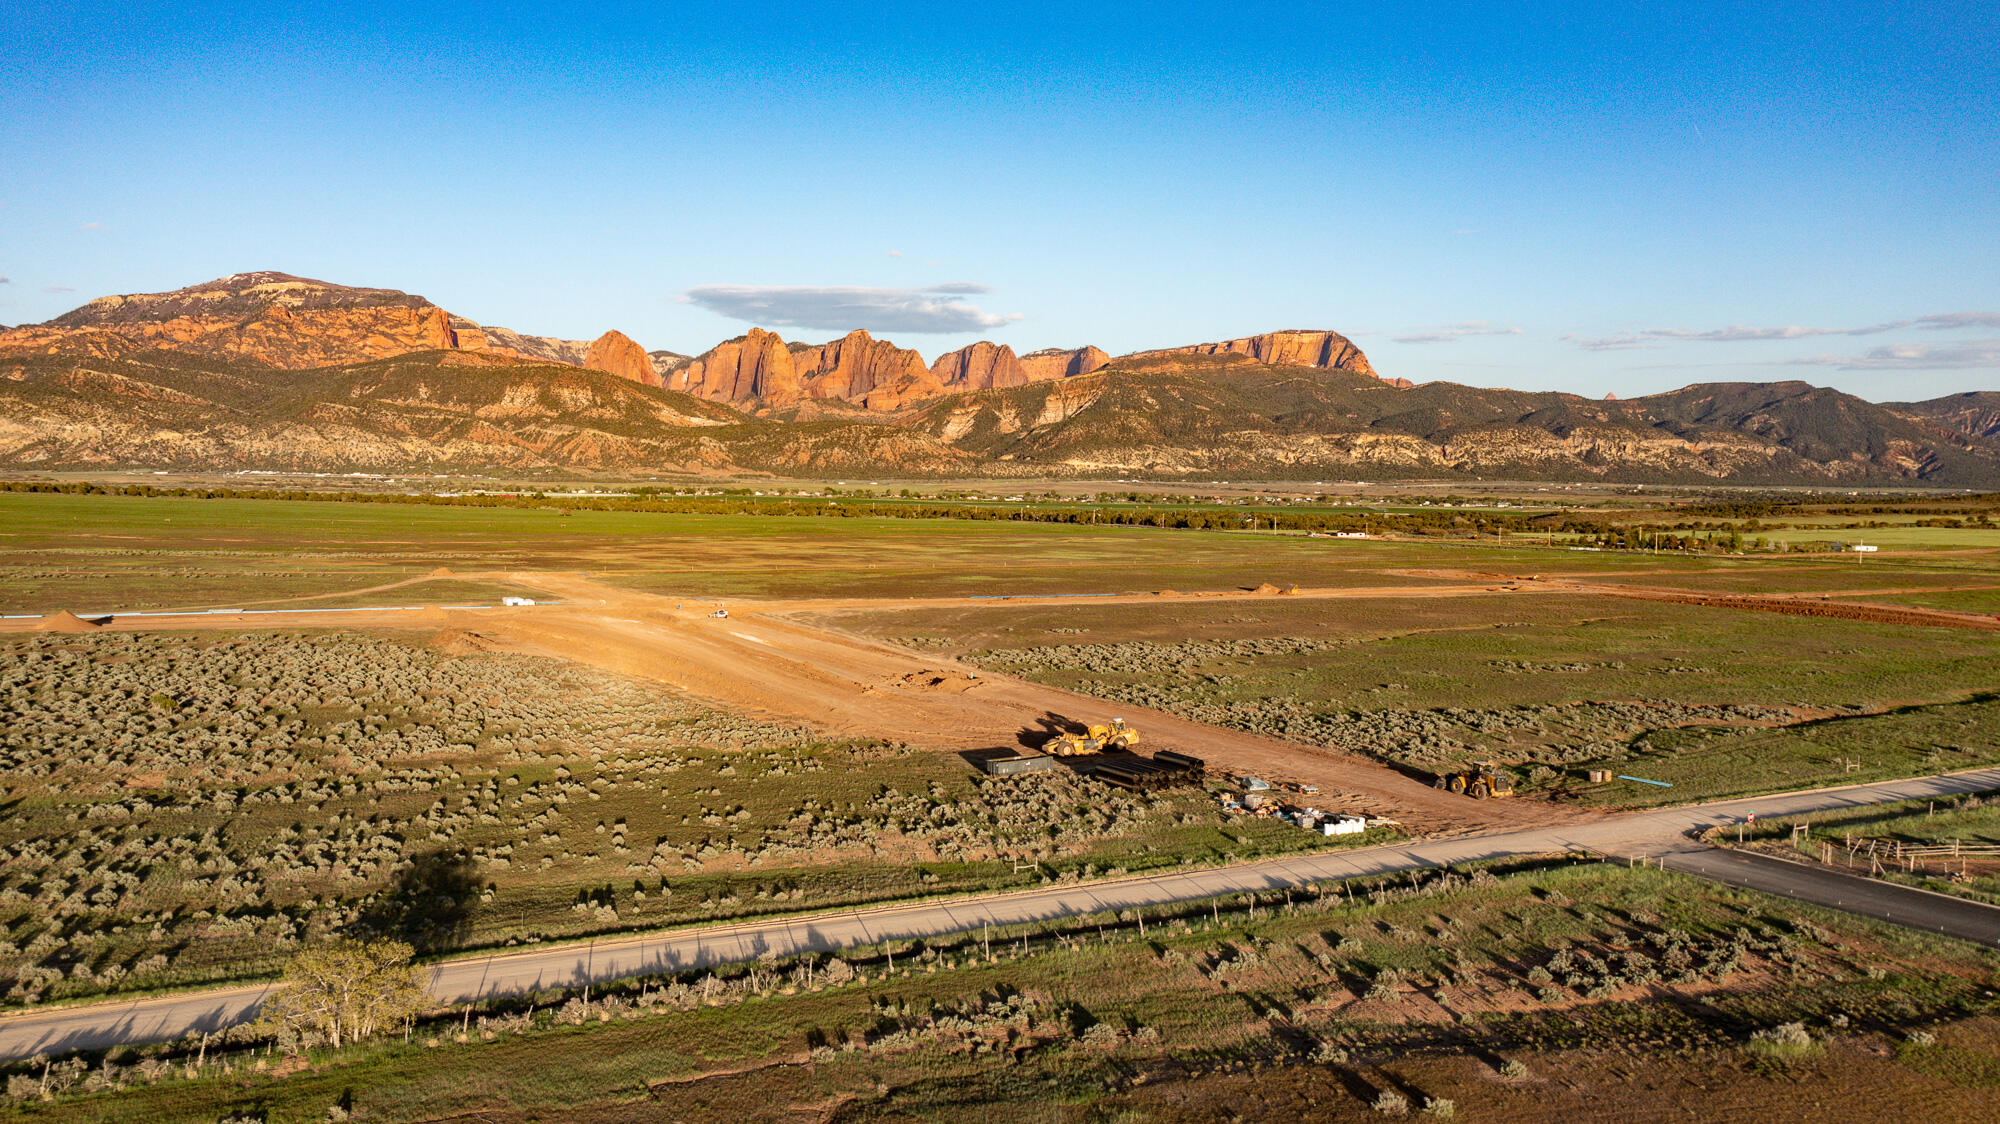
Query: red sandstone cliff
979, 366
1329, 350
756, 366
615, 353
1062, 363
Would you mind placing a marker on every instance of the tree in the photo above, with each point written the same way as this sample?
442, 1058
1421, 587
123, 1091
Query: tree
344, 992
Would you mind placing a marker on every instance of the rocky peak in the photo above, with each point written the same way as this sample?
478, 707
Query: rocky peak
860, 368
756, 365
615, 352
1062, 363
978, 366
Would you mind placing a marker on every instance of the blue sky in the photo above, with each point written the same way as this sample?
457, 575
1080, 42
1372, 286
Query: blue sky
1590, 197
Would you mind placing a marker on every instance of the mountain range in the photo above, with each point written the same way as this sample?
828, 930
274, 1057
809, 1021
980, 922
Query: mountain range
271, 370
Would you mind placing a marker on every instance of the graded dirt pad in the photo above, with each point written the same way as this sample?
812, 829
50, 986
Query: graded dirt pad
65, 621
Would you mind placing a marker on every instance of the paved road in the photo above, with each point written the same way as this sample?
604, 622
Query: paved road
1665, 834
1834, 889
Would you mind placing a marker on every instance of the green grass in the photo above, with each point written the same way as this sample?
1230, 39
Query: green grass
75, 546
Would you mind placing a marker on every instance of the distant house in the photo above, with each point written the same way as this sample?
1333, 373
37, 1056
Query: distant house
517, 601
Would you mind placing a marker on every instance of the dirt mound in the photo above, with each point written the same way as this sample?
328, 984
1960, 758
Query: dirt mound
1266, 590
65, 621
1166, 593
441, 572
463, 642
929, 680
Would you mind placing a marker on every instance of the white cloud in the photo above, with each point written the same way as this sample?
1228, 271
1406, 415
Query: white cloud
932, 308
58, 289
1450, 332
895, 253
1742, 333
1911, 357
91, 226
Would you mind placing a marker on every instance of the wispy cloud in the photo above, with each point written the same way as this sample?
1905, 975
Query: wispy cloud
1450, 332
932, 308
91, 226
5, 280
1944, 321
1911, 357
895, 253
1744, 333
1622, 341
58, 289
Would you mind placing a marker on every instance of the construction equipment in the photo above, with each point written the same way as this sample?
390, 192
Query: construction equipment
1116, 737
1483, 779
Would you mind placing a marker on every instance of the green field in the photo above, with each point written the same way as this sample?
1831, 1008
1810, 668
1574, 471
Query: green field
1429, 986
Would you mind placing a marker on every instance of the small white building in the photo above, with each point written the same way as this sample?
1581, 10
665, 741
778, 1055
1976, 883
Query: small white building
517, 601
1343, 825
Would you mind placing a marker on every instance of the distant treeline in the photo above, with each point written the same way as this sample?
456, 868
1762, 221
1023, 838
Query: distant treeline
1441, 523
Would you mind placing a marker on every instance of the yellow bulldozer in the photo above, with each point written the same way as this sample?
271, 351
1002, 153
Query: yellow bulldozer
1116, 737
1483, 779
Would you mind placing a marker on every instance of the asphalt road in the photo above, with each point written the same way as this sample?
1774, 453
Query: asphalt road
1869, 897
1664, 835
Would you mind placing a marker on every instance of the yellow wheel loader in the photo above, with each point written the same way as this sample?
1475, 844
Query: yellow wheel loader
1483, 779
1116, 737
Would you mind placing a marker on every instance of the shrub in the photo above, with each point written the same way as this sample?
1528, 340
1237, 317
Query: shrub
1392, 1103
1788, 1042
